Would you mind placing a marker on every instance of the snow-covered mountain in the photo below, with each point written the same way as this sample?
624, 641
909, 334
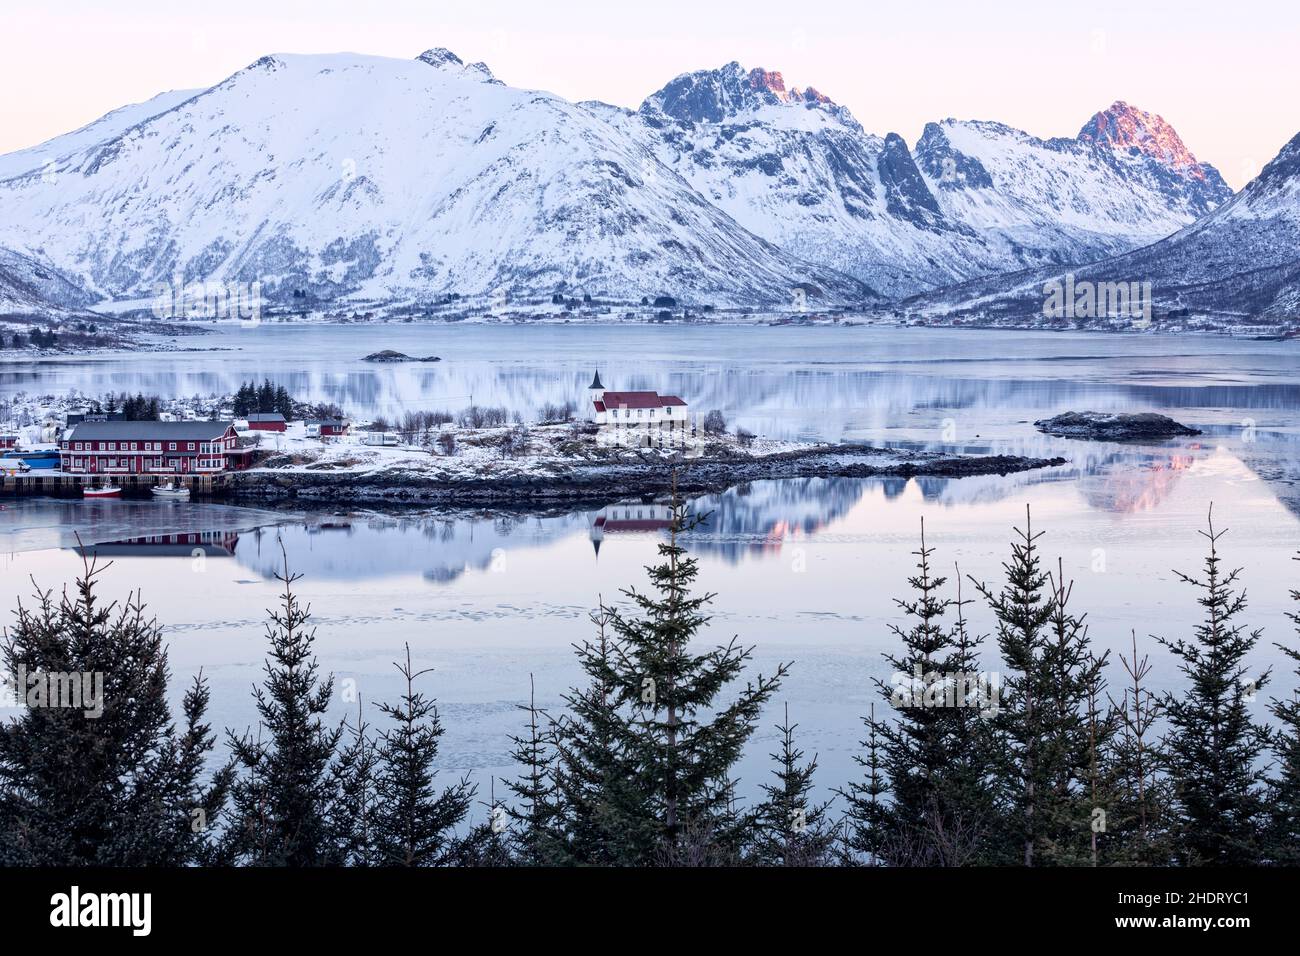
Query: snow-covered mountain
972, 199
796, 168
357, 179
383, 180
36, 289
1068, 200
107, 127
1242, 260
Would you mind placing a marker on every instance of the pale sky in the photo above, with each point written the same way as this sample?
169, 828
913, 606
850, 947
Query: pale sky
1223, 74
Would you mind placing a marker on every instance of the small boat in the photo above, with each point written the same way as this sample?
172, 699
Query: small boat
103, 491
171, 491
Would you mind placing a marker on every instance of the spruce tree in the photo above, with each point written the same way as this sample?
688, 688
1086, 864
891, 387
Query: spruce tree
101, 776
284, 788
535, 815
787, 828
1078, 730
931, 752
1213, 746
487, 844
1138, 816
353, 811
594, 782
1284, 788
415, 824
863, 832
1043, 748
678, 742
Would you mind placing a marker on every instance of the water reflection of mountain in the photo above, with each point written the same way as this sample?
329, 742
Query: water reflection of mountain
750, 520
439, 547
1131, 487
784, 383
1275, 457
757, 518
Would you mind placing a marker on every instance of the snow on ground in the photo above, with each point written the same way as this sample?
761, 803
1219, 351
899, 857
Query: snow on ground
500, 453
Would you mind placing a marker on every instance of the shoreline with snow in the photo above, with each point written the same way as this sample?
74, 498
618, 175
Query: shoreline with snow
567, 462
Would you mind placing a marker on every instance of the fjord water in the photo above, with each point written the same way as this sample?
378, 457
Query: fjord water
804, 570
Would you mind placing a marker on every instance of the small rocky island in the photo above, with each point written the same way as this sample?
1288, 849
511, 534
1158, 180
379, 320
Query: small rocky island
568, 462
389, 355
1108, 426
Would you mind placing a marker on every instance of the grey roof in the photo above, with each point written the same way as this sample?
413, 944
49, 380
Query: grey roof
148, 431
266, 417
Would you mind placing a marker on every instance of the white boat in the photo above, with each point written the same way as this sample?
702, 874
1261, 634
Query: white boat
171, 490
103, 491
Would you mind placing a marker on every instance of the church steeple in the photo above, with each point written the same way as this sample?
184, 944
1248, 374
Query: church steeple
595, 382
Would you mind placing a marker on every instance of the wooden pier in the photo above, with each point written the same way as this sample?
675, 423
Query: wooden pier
59, 485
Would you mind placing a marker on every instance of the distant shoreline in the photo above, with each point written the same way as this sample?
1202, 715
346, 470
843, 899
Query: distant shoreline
600, 481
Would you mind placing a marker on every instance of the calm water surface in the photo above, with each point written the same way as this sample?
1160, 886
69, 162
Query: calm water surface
804, 570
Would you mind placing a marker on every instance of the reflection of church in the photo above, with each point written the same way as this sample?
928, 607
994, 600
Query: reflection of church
630, 516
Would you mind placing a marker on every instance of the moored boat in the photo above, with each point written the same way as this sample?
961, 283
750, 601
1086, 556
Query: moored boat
171, 491
102, 491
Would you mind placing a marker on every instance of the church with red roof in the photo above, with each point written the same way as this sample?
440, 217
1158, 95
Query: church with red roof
637, 415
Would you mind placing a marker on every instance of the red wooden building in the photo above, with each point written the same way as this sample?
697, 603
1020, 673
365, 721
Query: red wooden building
150, 448
327, 427
266, 422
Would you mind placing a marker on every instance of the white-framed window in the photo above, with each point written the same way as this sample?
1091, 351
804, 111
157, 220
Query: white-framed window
171, 446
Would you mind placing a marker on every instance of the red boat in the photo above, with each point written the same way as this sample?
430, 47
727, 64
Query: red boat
103, 491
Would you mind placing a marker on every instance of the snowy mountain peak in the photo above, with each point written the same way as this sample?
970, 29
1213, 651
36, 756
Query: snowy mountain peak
731, 92
264, 64
1124, 127
440, 56
772, 82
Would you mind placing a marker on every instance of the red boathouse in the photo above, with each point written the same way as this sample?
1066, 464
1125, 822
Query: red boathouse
150, 448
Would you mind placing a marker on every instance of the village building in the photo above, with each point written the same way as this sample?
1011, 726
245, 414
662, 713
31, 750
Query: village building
637, 417
266, 422
8, 442
76, 418
151, 448
327, 427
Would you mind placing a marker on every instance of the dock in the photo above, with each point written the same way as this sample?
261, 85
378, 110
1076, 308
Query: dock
56, 484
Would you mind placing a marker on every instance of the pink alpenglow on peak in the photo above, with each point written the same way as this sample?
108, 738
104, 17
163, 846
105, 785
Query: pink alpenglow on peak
773, 82
1126, 127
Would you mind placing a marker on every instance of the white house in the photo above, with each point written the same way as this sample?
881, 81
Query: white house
638, 417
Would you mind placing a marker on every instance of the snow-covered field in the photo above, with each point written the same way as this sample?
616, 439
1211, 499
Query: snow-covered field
501, 453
